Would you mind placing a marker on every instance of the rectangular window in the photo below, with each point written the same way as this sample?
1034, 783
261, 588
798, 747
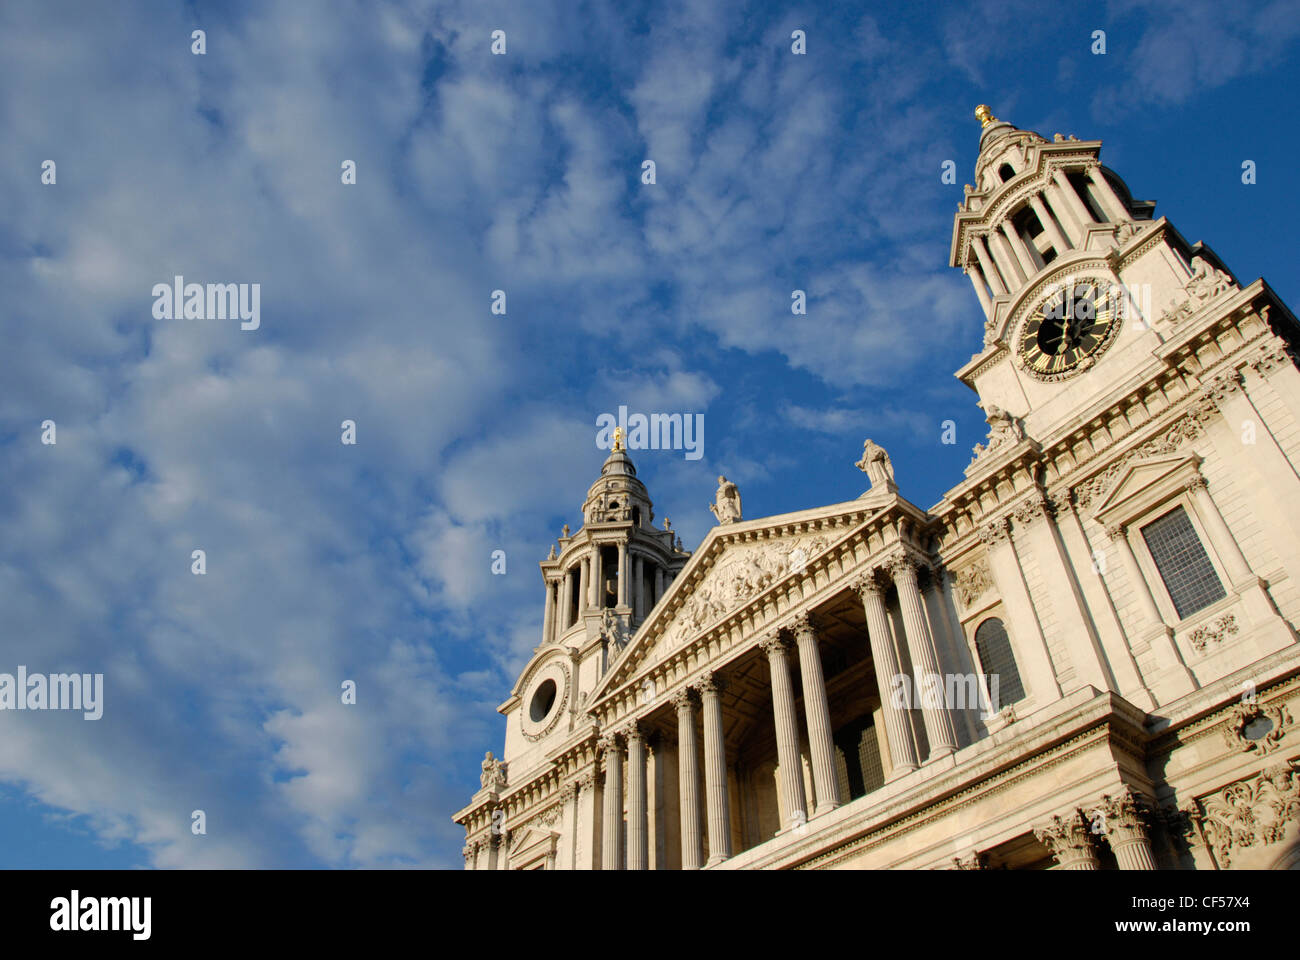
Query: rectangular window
1183, 563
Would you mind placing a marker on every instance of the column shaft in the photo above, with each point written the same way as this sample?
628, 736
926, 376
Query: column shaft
622, 575
818, 715
902, 750
793, 802
1044, 215
688, 783
977, 281
996, 282
638, 847
715, 773
548, 616
939, 729
611, 842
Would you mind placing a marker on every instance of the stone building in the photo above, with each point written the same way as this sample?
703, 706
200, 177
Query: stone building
1083, 657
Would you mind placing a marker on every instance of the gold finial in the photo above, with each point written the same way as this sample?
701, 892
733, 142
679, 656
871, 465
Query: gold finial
618, 438
984, 115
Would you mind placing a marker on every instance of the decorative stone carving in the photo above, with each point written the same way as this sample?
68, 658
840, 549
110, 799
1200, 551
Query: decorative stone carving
1250, 715
1185, 429
1215, 631
876, 465
972, 861
1196, 482
973, 581
1252, 812
683, 699
1004, 430
995, 531
707, 685
726, 502
493, 773
1221, 386
1271, 359
612, 630
1206, 283
773, 643
1124, 817
1031, 508
1070, 841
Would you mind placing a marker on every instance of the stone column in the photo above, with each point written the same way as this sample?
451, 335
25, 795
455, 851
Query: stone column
1225, 544
1037, 673
584, 586
902, 750
659, 582
493, 850
638, 846
1106, 196
470, 853
817, 713
548, 616
1124, 818
715, 771
1076, 206
622, 575
977, 281
939, 729
793, 802
1070, 841
597, 578
688, 781
503, 856
638, 600
1006, 259
1020, 249
1045, 217
1064, 213
996, 282
611, 841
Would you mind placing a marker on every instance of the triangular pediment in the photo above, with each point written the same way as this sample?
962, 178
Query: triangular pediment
1137, 482
734, 567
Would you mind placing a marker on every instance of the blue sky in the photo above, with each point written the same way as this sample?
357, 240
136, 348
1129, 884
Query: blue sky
476, 432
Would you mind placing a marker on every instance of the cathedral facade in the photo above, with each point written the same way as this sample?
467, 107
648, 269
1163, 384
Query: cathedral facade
1083, 657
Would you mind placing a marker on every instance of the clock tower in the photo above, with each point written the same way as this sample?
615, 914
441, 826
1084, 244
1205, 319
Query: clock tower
1079, 282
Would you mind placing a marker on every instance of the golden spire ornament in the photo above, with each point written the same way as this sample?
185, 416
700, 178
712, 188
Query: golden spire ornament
984, 115
618, 438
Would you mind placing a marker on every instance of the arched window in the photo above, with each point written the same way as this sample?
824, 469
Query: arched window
994, 649
1006, 172
636, 516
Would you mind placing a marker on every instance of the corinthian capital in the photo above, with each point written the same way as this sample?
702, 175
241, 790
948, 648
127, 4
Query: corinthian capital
773, 644
708, 686
902, 568
995, 531
684, 699
870, 585
1068, 837
1123, 815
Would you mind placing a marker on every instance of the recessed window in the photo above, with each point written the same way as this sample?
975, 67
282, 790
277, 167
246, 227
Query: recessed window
1183, 563
997, 660
1006, 172
543, 700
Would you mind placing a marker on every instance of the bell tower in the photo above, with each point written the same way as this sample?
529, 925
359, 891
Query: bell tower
1079, 284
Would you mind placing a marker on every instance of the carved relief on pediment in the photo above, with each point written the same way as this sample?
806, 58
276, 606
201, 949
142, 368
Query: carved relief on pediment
744, 571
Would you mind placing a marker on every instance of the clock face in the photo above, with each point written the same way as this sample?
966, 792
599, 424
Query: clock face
1074, 324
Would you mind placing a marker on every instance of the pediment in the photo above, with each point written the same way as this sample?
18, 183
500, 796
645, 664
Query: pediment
1140, 482
734, 566
536, 843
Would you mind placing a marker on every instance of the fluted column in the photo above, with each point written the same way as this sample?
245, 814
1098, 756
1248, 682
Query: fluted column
548, 616
493, 850
611, 843
1045, 217
996, 282
817, 713
638, 846
1064, 213
623, 577
793, 802
976, 278
939, 729
597, 577
584, 586
1070, 841
688, 781
1020, 249
1106, 195
1072, 200
1124, 818
1006, 259
715, 771
902, 749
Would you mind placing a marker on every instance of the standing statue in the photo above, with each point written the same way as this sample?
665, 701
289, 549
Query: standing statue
875, 464
726, 502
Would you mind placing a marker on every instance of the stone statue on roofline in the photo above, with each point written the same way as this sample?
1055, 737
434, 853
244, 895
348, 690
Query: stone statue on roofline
876, 465
726, 502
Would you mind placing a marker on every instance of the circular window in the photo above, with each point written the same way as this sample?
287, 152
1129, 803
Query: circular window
543, 700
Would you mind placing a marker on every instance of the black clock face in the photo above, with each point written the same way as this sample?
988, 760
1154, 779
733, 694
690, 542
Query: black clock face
1073, 324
